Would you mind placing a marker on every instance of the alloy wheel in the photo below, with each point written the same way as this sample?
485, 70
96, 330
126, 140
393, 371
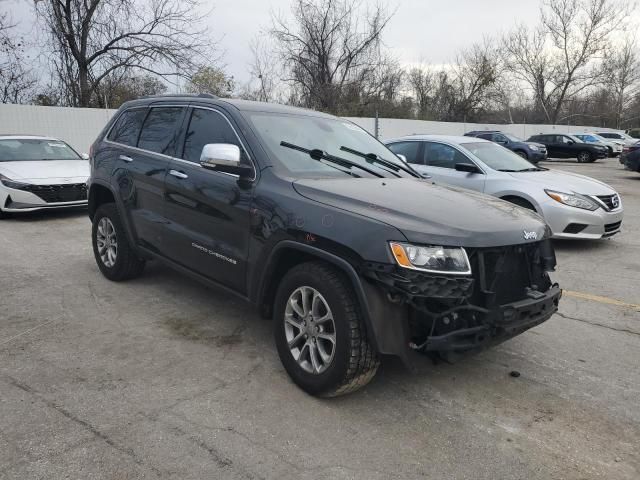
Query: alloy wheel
310, 330
107, 242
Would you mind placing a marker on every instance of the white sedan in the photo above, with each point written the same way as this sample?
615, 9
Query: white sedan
574, 206
40, 173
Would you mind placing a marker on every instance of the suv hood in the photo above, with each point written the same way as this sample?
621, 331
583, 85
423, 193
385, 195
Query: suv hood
39, 172
426, 213
565, 182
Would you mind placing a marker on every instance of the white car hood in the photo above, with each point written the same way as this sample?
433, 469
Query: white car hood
565, 182
46, 171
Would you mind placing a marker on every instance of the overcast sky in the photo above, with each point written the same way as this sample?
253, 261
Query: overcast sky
430, 31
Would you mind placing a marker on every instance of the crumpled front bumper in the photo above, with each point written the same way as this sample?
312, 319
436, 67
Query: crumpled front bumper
500, 324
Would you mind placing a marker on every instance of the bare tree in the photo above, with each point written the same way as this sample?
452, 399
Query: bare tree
622, 70
331, 46
92, 40
16, 80
475, 73
559, 59
264, 72
421, 81
210, 80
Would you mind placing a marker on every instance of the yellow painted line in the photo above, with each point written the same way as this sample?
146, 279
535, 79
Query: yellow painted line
599, 299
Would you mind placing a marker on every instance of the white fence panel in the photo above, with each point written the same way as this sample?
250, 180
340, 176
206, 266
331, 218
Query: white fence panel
79, 127
394, 127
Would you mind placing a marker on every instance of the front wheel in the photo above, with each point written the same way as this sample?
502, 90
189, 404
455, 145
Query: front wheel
522, 154
584, 157
113, 253
320, 333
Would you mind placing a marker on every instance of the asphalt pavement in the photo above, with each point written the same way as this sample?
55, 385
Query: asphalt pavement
162, 377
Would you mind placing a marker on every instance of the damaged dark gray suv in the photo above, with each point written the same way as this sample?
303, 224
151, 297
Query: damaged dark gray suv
318, 224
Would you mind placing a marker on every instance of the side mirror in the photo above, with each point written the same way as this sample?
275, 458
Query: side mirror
570, 142
467, 167
401, 157
223, 157
84, 156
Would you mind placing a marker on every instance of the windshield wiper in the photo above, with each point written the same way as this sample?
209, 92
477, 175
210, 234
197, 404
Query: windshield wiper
373, 158
532, 169
507, 170
318, 155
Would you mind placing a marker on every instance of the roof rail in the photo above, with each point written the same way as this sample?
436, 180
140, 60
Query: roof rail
192, 95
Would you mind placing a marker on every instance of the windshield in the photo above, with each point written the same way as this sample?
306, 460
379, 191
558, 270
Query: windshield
325, 134
512, 138
29, 149
497, 157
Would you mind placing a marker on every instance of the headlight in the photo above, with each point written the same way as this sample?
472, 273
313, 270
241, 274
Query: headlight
7, 182
452, 260
573, 200
534, 148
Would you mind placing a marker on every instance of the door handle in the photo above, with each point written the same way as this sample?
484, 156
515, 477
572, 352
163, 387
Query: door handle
125, 158
178, 174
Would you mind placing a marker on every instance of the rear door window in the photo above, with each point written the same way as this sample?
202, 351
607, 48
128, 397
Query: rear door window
127, 127
409, 150
441, 155
160, 129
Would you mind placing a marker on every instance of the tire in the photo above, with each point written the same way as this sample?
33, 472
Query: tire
521, 202
522, 154
353, 361
124, 264
585, 157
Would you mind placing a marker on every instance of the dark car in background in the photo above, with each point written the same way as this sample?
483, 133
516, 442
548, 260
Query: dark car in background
569, 146
630, 157
532, 151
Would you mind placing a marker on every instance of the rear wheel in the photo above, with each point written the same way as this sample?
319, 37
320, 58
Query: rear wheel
585, 157
320, 333
113, 253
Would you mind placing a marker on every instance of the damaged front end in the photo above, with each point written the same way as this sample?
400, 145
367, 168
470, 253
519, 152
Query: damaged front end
507, 292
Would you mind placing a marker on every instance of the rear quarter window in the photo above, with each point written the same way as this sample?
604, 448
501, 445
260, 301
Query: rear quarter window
127, 127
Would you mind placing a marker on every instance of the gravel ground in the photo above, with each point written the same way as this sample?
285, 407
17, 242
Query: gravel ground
164, 378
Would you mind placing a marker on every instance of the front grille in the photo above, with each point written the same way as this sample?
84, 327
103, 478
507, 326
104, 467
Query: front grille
612, 228
71, 192
611, 201
506, 273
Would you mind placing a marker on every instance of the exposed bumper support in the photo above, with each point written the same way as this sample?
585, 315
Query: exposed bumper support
501, 324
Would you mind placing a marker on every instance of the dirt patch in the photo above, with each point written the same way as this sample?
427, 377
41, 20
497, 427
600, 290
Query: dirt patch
201, 330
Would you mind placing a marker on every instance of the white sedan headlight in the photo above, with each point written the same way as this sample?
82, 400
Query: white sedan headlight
434, 259
573, 200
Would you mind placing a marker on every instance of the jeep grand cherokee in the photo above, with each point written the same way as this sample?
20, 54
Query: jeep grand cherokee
318, 224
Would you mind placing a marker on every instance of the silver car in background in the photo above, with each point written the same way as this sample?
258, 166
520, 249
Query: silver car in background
614, 146
574, 206
40, 173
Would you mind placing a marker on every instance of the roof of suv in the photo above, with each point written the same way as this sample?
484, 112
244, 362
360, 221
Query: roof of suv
242, 105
